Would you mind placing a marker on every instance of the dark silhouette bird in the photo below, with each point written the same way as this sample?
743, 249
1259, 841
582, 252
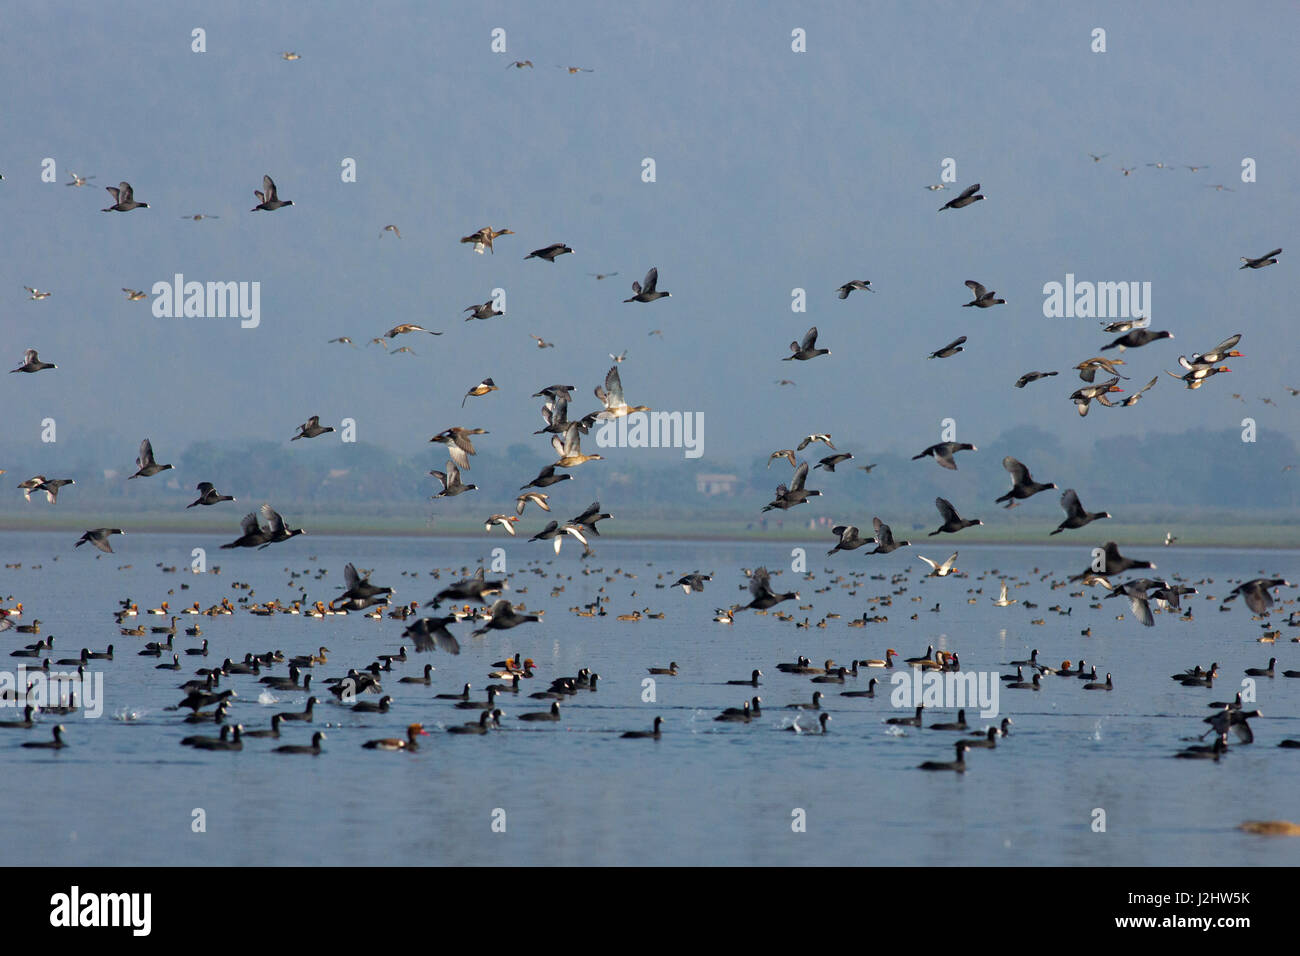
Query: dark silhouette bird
942, 453
885, 542
99, 538
124, 199
763, 596
252, 535
1136, 339
850, 539
1267, 259
1258, 593
967, 196
208, 495
147, 466
1022, 483
951, 349
1028, 377
646, 291
952, 522
451, 483
311, 428
855, 285
267, 197
503, 617
276, 530
807, 349
983, 298
549, 253
430, 633
1075, 516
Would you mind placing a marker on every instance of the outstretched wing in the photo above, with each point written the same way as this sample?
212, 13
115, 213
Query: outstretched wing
1019, 473
652, 279
1070, 502
976, 289
800, 476
946, 510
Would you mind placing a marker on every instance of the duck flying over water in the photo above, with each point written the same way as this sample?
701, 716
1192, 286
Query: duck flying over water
276, 529
145, 463
431, 634
99, 538
208, 495
942, 453
588, 519
545, 478
1022, 483
646, 290
458, 444
850, 539
952, 522
796, 494
252, 535
760, 588
885, 542
569, 447
451, 483
503, 617
940, 570
555, 532
611, 396
1258, 593
807, 348
1075, 515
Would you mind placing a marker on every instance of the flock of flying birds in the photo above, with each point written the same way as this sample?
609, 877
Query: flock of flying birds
264, 527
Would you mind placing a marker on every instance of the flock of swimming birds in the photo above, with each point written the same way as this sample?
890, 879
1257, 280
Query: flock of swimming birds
474, 598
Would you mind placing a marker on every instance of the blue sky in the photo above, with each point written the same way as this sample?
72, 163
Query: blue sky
775, 170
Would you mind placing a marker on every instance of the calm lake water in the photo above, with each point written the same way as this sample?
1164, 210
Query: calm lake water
123, 792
